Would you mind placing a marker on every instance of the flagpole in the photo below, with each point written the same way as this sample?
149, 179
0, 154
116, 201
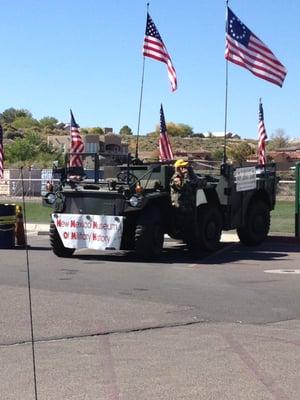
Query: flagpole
226, 96
225, 119
140, 104
258, 158
140, 109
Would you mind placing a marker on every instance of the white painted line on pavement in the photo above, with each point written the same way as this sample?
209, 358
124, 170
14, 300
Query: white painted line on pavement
283, 271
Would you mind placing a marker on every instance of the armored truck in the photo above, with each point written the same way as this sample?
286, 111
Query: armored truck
128, 207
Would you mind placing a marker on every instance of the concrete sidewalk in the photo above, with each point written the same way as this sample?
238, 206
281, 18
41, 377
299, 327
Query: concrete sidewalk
37, 229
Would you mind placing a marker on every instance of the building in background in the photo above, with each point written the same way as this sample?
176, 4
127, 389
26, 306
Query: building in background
109, 146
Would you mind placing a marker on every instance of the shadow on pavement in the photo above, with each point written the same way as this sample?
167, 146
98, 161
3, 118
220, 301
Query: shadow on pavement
177, 253
267, 251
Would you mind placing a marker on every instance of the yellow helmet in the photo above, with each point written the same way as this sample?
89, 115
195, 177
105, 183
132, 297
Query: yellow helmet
181, 163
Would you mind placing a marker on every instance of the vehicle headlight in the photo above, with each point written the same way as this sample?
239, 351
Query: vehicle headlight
135, 201
50, 198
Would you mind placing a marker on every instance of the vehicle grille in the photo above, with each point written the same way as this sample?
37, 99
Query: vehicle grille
90, 204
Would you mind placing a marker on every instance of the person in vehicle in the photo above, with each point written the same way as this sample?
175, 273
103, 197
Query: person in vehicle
49, 186
182, 191
182, 185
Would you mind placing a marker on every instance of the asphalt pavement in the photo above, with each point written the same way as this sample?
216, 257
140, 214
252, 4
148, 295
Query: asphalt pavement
108, 327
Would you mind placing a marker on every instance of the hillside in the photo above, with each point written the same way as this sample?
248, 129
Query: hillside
210, 147
26, 142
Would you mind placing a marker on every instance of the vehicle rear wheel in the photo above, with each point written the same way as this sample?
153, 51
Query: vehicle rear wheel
57, 245
257, 224
209, 227
149, 235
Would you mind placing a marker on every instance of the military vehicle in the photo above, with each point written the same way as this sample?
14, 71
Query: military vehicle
128, 207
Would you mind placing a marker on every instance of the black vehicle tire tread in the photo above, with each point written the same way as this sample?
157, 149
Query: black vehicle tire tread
57, 245
149, 235
209, 217
251, 234
128, 237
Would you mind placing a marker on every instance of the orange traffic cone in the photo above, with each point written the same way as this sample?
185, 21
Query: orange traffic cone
20, 232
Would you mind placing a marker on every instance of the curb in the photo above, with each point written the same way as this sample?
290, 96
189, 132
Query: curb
37, 229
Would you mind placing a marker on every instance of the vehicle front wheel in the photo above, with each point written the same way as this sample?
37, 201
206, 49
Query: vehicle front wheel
149, 235
257, 225
57, 245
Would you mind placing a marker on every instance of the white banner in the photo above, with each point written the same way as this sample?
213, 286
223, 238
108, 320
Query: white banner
245, 178
99, 232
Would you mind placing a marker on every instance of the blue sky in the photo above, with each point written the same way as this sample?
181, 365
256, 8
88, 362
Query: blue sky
87, 56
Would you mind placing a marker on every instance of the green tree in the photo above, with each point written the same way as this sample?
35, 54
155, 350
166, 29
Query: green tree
97, 131
10, 114
125, 131
239, 152
181, 130
48, 122
33, 149
24, 122
279, 140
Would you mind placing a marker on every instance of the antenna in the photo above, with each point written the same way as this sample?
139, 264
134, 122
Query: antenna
224, 163
140, 109
140, 104
226, 96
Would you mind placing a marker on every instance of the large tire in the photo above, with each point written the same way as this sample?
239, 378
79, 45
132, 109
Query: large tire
149, 235
128, 237
209, 227
257, 224
57, 245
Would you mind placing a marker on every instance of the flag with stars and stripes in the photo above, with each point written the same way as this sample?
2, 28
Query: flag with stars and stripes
155, 48
165, 150
262, 136
246, 50
1, 153
77, 145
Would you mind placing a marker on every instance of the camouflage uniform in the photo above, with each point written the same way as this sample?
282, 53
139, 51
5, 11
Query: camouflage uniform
182, 195
183, 201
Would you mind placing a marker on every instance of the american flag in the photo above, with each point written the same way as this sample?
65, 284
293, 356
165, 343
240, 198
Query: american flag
154, 48
245, 49
77, 145
262, 136
165, 150
1, 153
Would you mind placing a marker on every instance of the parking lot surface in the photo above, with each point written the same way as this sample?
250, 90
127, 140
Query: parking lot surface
107, 326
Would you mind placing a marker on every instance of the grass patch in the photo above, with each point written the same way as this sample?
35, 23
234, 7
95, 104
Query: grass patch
35, 212
283, 217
